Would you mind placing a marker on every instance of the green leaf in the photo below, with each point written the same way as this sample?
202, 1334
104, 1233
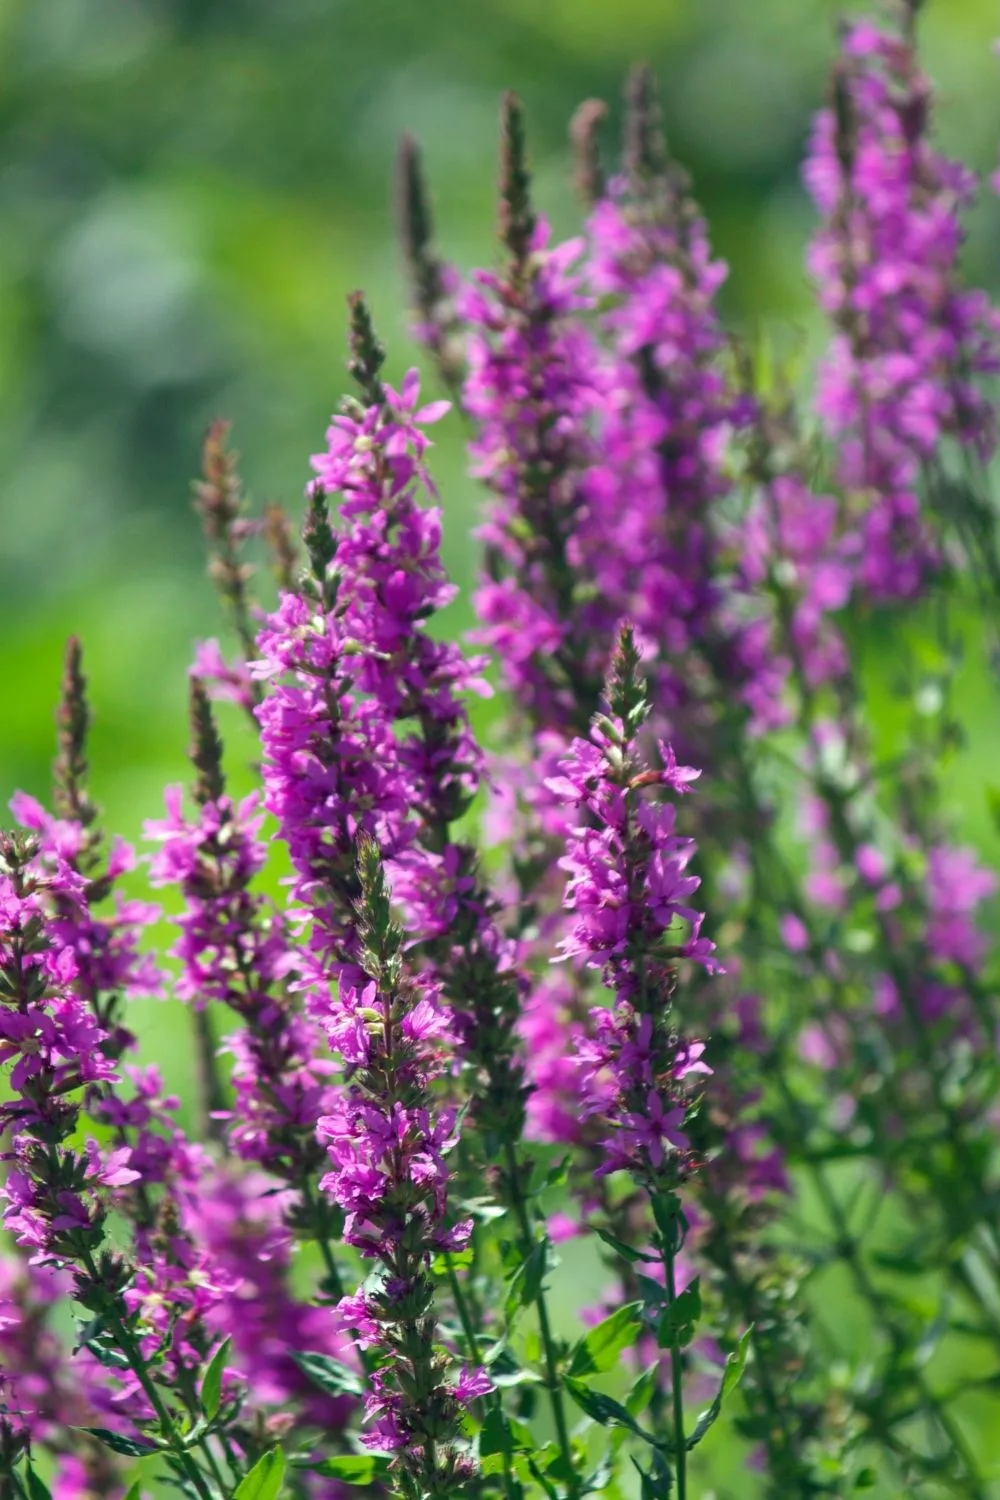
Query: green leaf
900, 1262
658, 1483
670, 1220
641, 1392
352, 1468
604, 1409
525, 1465
264, 1480
677, 1324
731, 1376
329, 1375
453, 1260
628, 1252
127, 1447
133, 1492
866, 1480
598, 1350
524, 1285
111, 1359
557, 1174
495, 1435
37, 1488
211, 1385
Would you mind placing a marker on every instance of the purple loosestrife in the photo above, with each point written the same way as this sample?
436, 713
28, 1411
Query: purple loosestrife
391, 582
628, 895
58, 1195
337, 773
239, 1220
530, 390
665, 425
235, 951
910, 342
388, 1145
44, 1393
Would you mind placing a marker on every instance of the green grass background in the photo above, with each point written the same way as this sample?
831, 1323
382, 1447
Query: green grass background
189, 188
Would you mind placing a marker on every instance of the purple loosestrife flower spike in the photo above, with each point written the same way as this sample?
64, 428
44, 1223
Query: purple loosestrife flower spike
388, 1173
531, 391
628, 893
910, 342
235, 951
645, 150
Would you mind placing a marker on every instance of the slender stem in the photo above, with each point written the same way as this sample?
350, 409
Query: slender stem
677, 1386
472, 1342
211, 1096
847, 1251
322, 1239
194, 1410
461, 1308
553, 1383
137, 1364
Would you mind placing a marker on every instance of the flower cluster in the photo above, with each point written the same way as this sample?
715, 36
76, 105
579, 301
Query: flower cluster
910, 341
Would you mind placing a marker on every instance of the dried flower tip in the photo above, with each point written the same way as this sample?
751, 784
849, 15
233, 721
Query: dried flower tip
69, 770
588, 171
218, 497
626, 691
205, 752
367, 355
645, 148
517, 219
412, 205
278, 538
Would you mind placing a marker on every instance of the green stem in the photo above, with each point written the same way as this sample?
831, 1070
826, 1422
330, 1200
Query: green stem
847, 1251
137, 1364
210, 1092
461, 1308
553, 1383
677, 1387
472, 1342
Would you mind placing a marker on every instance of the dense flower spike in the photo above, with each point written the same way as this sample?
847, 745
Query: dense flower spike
531, 386
911, 344
628, 893
234, 950
661, 471
388, 1173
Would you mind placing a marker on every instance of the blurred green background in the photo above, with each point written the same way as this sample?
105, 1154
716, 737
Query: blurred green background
188, 188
